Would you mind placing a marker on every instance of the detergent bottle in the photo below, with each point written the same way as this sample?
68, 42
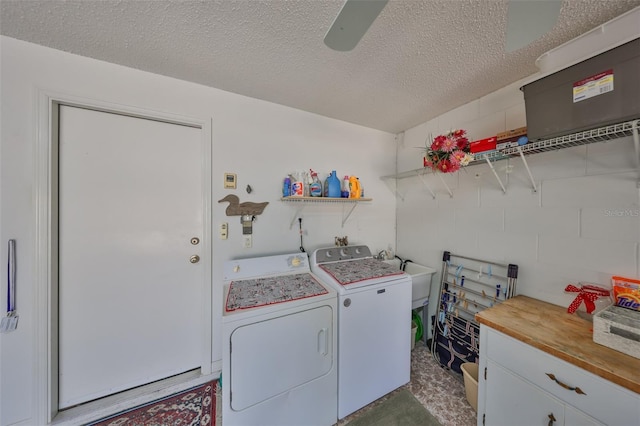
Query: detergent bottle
333, 185
354, 185
345, 188
325, 187
315, 188
286, 187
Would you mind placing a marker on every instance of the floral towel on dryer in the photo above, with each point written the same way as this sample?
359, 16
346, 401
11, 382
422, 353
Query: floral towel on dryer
353, 271
245, 294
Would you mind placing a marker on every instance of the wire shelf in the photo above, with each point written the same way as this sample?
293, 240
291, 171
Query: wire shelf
482, 157
600, 134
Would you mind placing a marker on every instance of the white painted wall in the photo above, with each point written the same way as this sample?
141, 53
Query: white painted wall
259, 141
583, 223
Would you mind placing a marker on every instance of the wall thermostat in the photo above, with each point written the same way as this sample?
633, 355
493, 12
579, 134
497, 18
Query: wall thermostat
229, 181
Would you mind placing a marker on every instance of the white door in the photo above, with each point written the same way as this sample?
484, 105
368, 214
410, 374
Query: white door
130, 201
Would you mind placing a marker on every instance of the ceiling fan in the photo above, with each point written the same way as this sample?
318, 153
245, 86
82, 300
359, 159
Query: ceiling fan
527, 20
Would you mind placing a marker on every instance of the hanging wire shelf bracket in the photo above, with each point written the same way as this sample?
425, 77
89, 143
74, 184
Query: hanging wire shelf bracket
301, 202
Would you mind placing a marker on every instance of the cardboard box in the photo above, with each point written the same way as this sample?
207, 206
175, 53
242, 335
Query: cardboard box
619, 329
512, 134
510, 138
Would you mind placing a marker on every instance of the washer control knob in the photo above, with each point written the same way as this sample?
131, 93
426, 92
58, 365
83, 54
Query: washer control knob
347, 302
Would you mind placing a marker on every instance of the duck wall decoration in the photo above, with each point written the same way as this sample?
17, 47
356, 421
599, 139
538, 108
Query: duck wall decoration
236, 208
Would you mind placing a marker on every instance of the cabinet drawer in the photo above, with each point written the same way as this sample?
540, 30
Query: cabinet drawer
526, 402
603, 400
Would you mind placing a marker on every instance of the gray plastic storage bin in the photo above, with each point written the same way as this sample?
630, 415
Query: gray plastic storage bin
559, 104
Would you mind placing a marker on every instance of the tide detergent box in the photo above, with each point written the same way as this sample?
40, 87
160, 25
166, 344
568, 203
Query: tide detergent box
626, 292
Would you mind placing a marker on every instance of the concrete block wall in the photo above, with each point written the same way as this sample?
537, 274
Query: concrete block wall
581, 224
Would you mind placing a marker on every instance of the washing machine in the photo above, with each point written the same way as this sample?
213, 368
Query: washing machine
280, 345
374, 323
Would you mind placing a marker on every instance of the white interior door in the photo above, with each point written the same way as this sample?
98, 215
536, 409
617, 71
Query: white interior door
130, 201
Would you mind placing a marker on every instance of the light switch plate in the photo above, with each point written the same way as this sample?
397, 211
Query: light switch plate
230, 181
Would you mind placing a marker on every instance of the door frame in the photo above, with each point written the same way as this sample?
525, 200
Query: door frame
45, 197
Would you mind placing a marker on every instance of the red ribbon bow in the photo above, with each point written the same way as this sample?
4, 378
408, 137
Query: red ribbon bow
587, 294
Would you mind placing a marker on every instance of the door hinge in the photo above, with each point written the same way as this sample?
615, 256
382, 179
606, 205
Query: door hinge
485, 373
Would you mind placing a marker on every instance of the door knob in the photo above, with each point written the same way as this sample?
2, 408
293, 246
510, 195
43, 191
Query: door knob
194, 259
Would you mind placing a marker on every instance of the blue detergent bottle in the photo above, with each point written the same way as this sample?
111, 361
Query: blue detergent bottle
333, 184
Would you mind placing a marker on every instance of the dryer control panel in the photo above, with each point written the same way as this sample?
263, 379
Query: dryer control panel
333, 254
281, 264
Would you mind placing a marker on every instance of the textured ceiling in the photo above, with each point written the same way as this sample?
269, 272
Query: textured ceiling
418, 59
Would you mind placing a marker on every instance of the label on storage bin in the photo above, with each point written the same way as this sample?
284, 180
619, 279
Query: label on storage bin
593, 86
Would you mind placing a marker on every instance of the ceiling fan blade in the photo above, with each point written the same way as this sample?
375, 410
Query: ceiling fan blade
528, 20
353, 21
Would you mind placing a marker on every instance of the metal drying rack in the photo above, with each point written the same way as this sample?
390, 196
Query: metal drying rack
467, 286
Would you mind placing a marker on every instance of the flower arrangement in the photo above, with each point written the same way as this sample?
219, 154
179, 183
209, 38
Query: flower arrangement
447, 153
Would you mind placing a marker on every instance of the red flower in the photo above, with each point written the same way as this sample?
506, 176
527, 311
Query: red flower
436, 145
446, 152
462, 143
446, 166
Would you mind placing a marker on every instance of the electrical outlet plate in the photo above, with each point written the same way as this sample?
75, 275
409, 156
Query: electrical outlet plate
247, 241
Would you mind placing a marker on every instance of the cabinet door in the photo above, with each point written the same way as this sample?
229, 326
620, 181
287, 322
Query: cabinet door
573, 417
513, 401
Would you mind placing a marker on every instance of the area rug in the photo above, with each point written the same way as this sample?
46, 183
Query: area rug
400, 409
193, 407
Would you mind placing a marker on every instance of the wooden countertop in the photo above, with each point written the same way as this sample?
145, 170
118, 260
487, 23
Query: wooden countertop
566, 336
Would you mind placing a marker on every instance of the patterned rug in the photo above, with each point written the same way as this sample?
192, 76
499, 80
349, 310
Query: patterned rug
193, 407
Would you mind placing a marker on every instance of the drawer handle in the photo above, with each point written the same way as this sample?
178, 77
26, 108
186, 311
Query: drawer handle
576, 389
551, 419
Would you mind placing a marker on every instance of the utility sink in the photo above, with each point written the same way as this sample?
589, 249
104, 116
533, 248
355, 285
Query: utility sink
420, 281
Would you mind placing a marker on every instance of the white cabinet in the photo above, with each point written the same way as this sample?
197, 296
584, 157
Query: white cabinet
575, 417
520, 384
515, 401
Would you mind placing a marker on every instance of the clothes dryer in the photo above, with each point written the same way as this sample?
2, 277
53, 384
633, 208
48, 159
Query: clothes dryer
279, 350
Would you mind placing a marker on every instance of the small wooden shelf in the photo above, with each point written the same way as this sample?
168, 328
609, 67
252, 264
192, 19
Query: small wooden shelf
324, 199
301, 202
